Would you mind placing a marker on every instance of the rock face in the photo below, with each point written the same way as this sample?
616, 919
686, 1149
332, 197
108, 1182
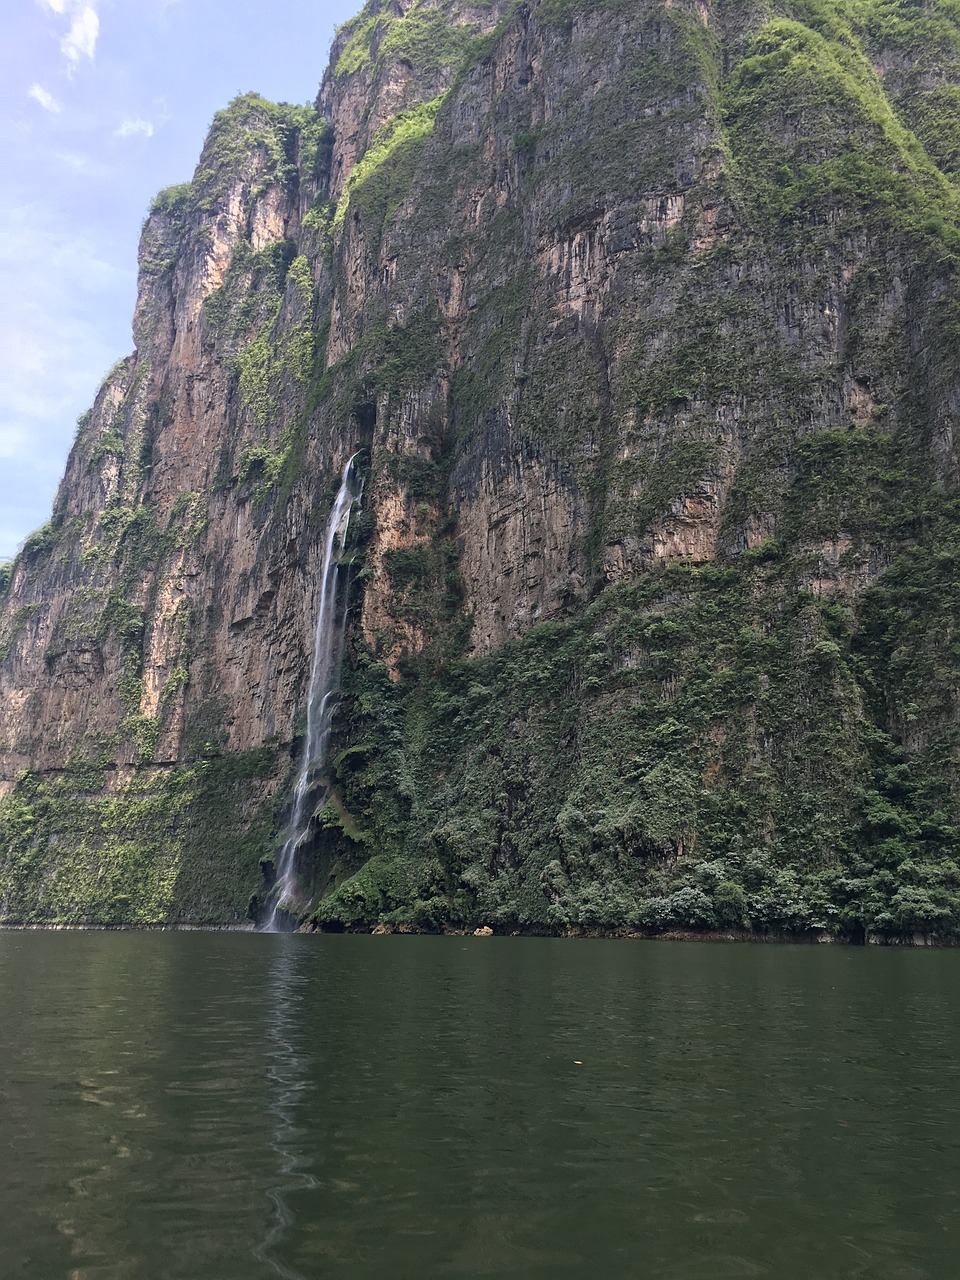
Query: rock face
642, 317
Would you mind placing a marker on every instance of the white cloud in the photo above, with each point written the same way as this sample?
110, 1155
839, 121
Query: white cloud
81, 39
131, 127
46, 100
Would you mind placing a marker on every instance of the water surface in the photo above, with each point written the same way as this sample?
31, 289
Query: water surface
237, 1106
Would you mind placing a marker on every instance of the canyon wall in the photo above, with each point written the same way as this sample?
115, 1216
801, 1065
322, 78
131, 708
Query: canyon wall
642, 320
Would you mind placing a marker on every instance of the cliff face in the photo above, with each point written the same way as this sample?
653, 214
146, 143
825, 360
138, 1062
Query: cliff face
642, 317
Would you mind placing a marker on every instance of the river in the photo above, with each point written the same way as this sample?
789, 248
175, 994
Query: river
216, 1106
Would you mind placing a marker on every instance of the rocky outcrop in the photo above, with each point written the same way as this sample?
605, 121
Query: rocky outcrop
640, 317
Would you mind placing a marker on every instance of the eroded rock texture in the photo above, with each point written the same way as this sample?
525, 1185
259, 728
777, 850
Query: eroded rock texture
642, 317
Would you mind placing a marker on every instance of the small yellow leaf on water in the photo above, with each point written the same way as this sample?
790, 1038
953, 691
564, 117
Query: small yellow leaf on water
577, 1062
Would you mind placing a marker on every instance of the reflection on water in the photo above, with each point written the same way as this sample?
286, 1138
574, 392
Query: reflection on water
240, 1107
287, 1087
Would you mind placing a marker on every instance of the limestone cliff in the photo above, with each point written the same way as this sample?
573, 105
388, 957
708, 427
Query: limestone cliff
643, 318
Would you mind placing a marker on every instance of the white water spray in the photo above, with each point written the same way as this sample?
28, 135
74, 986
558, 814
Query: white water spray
321, 701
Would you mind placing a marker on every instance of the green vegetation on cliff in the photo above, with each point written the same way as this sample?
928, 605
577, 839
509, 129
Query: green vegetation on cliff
383, 177
164, 847
672, 291
427, 37
713, 746
603, 773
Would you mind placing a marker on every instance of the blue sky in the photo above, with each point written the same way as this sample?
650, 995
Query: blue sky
102, 103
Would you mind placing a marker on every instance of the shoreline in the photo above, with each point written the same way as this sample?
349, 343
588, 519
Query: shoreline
745, 936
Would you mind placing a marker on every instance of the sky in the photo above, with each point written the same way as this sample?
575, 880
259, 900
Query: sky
103, 103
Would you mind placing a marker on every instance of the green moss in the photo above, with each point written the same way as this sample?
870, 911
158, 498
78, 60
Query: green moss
172, 201
262, 467
110, 444
318, 221
12, 627
847, 146
171, 844
144, 732
356, 51
560, 13
406, 357
496, 347
382, 178
316, 141
257, 377
42, 542
259, 140
427, 37
255, 292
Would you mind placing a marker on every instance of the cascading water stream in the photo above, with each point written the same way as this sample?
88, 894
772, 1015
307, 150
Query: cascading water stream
321, 698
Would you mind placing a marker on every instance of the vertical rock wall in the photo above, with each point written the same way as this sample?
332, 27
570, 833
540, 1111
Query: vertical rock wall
642, 318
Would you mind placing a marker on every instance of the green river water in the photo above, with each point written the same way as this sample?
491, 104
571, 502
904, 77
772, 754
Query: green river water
241, 1106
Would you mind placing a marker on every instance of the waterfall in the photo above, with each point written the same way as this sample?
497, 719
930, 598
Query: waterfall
321, 699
